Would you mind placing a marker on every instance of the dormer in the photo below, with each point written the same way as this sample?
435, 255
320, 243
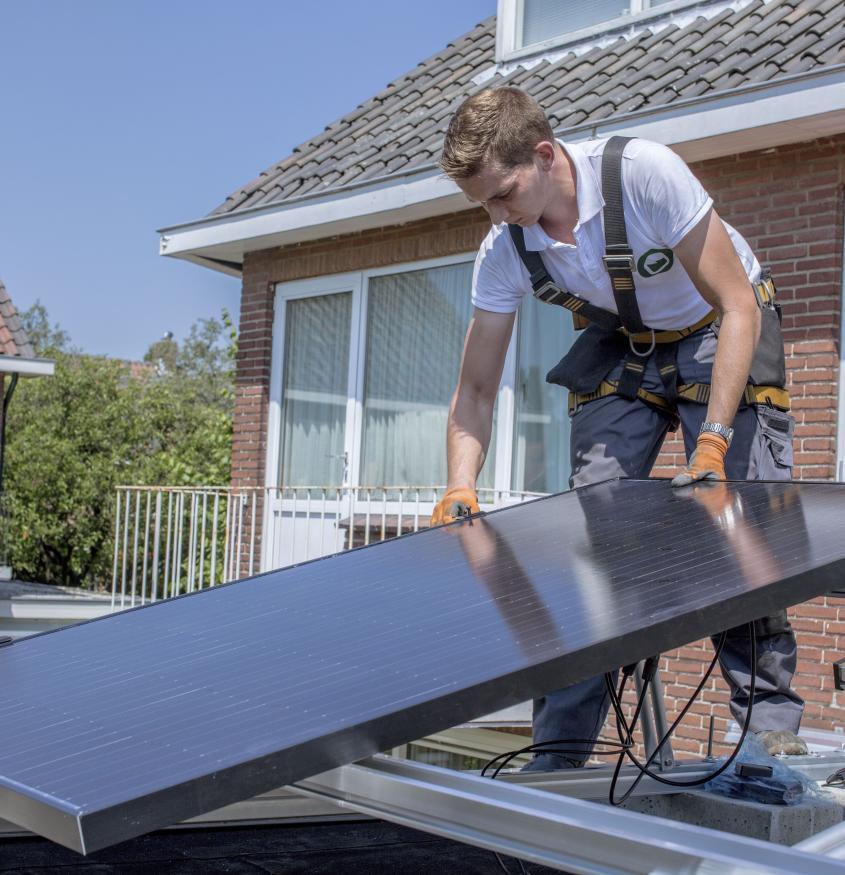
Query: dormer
531, 27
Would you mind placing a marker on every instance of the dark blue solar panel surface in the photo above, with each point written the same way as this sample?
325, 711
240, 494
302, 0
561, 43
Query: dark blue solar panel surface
138, 720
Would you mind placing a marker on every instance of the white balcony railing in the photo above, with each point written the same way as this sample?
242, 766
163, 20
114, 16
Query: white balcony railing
174, 540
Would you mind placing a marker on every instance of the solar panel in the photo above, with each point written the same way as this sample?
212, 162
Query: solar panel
144, 718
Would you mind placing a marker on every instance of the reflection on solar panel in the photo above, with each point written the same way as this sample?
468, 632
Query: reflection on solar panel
142, 719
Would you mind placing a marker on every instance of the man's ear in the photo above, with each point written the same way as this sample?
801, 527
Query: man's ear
545, 152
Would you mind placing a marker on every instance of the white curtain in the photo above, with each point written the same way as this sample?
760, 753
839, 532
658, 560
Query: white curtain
314, 396
541, 429
416, 322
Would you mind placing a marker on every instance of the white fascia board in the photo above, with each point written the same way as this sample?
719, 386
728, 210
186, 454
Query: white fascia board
26, 367
388, 202
791, 109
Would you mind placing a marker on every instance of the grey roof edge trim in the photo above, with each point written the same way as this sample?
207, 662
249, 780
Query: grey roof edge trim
431, 169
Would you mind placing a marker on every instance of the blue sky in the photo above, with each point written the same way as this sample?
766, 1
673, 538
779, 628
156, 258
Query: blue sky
118, 118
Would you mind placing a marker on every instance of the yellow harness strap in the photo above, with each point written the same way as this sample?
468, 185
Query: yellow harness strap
671, 336
764, 291
699, 393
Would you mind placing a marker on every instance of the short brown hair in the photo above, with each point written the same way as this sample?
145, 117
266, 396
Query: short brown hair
499, 124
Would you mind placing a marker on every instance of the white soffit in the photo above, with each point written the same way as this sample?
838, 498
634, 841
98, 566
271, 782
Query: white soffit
792, 109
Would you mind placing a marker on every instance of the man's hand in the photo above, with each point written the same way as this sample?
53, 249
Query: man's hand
455, 503
707, 462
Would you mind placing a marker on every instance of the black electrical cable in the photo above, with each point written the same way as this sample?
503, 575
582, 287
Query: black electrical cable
629, 730
504, 868
645, 771
624, 747
552, 747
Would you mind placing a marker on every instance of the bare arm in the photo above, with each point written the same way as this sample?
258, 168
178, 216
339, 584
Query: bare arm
710, 260
471, 412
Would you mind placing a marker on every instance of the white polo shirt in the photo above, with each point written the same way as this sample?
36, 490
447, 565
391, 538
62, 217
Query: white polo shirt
662, 201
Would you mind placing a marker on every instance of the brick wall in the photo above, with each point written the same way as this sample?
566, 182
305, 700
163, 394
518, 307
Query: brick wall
788, 204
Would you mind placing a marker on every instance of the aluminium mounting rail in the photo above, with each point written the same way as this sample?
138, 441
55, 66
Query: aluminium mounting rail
572, 835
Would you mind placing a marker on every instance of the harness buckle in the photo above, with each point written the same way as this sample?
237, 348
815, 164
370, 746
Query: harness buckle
549, 290
618, 262
649, 351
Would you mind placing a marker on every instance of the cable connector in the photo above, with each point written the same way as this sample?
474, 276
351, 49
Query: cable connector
650, 667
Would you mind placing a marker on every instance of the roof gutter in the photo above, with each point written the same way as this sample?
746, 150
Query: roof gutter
801, 106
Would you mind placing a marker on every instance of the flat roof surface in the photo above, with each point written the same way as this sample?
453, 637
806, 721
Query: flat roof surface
361, 848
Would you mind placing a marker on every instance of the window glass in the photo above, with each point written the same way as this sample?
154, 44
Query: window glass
416, 322
315, 390
541, 426
546, 19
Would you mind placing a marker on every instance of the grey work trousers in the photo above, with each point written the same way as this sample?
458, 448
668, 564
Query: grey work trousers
616, 437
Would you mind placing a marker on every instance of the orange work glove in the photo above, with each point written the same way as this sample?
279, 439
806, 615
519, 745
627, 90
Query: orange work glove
456, 502
707, 462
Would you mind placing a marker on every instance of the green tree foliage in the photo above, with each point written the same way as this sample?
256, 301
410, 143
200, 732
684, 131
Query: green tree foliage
99, 423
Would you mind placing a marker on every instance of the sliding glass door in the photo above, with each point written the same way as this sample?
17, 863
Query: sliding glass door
416, 322
315, 390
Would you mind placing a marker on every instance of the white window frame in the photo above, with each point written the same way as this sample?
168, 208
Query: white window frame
509, 21
358, 284
310, 288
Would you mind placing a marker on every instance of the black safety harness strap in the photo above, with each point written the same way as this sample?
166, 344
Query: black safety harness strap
633, 370
618, 255
666, 359
546, 290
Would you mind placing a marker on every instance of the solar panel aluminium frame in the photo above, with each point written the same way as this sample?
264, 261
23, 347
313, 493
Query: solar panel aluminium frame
98, 824
569, 834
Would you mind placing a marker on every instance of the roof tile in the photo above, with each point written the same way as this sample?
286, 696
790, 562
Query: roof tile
401, 128
13, 337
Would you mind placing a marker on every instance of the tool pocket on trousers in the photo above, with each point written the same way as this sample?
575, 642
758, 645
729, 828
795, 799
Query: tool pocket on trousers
776, 431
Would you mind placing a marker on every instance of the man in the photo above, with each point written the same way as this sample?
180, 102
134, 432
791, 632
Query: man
675, 346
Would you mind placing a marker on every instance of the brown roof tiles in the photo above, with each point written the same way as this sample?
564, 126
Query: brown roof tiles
13, 339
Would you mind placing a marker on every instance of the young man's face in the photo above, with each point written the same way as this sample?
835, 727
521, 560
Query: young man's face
516, 195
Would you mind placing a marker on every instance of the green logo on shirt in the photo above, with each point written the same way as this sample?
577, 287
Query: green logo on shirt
655, 261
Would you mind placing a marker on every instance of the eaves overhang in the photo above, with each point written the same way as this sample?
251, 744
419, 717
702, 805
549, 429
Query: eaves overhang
789, 109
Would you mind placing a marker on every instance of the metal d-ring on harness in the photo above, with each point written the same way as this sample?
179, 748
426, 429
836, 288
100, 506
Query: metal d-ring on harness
643, 341
649, 351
